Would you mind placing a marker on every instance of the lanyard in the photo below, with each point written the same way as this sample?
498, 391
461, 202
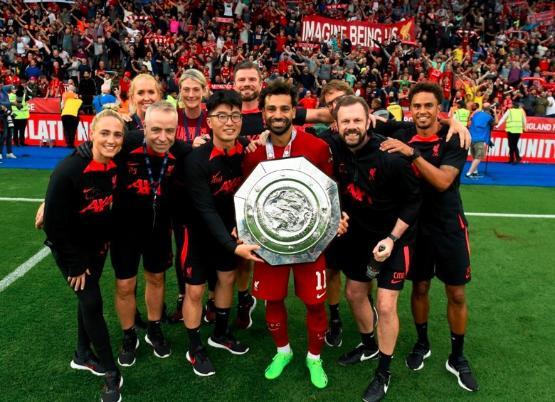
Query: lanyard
270, 154
154, 185
197, 128
138, 122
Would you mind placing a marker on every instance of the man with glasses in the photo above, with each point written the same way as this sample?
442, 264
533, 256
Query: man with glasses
213, 175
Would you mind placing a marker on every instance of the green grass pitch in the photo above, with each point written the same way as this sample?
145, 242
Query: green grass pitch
509, 342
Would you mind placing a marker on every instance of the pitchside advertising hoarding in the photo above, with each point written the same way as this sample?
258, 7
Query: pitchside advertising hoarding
537, 144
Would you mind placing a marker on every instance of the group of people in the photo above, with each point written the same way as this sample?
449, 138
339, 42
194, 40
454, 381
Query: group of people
477, 51
165, 169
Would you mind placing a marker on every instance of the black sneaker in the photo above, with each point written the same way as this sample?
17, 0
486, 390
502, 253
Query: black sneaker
229, 343
358, 354
460, 368
87, 362
112, 388
127, 354
334, 334
155, 338
415, 359
202, 366
244, 313
177, 316
209, 314
378, 387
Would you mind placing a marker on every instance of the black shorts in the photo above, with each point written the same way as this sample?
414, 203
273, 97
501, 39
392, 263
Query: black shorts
445, 255
129, 246
205, 258
352, 252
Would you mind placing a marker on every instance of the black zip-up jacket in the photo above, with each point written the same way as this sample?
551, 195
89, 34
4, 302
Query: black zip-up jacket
376, 187
134, 201
212, 177
78, 210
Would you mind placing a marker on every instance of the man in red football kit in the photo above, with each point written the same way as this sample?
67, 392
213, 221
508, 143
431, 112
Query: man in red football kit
270, 283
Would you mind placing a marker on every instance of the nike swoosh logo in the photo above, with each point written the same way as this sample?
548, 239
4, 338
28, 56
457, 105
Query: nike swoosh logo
319, 296
365, 357
395, 281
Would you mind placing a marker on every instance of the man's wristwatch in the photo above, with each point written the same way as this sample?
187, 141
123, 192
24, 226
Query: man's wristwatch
393, 237
415, 154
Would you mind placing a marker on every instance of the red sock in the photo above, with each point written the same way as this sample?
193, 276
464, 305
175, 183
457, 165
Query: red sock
317, 324
276, 319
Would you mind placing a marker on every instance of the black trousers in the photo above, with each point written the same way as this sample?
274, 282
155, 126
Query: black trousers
70, 124
19, 133
91, 326
513, 147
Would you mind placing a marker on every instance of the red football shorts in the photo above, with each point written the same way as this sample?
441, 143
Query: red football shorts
272, 282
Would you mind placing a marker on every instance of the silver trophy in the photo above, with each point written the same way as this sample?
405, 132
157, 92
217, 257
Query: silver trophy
290, 208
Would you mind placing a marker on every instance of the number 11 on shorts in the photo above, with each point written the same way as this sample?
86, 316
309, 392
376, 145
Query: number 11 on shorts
320, 280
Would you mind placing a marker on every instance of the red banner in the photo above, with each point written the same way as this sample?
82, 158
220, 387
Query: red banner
224, 20
536, 145
320, 29
219, 87
543, 18
45, 105
43, 126
533, 147
337, 6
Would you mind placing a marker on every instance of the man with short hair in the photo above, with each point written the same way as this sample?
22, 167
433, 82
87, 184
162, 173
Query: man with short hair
381, 195
277, 102
331, 93
247, 81
481, 123
143, 225
442, 246
213, 175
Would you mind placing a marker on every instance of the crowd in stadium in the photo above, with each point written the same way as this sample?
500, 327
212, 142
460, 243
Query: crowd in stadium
478, 51
99, 56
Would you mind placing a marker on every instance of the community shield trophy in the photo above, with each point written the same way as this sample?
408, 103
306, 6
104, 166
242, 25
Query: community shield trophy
290, 208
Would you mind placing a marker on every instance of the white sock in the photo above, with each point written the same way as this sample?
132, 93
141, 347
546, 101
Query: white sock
284, 349
311, 356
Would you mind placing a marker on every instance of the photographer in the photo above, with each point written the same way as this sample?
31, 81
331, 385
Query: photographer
481, 123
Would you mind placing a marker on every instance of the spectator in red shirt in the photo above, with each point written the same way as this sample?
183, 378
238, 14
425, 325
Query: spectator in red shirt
309, 101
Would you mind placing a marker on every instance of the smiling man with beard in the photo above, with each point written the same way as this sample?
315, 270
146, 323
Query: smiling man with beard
278, 102
247, 81
381, 195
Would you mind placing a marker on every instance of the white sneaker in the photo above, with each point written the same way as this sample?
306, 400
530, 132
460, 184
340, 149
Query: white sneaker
11, 156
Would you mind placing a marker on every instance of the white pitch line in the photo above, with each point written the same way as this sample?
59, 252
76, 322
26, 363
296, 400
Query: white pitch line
499, 215
486, 214
21, 199
24, 268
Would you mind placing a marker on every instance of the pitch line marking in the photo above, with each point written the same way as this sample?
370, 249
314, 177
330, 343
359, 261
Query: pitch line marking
24, 268
485, 214
500, 215
9, 199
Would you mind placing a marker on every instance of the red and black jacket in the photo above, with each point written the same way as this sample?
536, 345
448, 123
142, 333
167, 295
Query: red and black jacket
78, 210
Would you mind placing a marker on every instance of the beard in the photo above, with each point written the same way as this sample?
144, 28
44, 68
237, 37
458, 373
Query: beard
279, 130
247, 98
361, 137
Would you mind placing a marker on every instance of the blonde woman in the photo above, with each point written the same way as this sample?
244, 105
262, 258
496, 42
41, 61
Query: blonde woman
78, 223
